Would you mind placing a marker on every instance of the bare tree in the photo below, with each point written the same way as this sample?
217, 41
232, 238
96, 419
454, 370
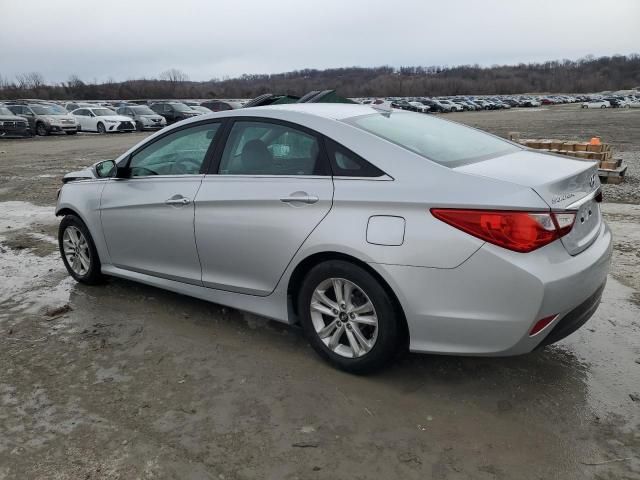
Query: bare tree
30, 81
174, 76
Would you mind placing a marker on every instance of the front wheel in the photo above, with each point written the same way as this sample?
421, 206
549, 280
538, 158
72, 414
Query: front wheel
41, 129
101, 128
71, 133
348, 317
139, 126
603, 106
78, 251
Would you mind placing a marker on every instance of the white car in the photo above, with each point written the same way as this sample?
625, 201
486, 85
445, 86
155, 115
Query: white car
596, 104
420, 107
454, 106
102, 120
633, 104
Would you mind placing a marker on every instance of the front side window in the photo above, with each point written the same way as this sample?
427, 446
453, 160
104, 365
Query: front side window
179, 153
261, 148
444, 142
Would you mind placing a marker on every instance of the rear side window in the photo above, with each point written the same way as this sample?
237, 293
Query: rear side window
345, 163
444, 142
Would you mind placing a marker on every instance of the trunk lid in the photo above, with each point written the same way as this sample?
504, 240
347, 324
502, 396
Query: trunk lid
563, 183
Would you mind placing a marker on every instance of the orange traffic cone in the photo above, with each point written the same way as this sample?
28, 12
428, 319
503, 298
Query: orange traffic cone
595, 141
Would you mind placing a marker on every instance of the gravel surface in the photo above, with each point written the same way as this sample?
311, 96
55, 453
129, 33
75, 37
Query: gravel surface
125, 381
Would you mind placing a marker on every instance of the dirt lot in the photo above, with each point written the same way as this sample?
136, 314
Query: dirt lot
127, 381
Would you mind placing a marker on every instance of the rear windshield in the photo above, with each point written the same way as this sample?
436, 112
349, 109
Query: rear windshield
444, 142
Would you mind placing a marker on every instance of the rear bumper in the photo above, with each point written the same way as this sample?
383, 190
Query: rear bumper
488, 305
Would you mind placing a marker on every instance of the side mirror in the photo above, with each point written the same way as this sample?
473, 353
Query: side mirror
106, 169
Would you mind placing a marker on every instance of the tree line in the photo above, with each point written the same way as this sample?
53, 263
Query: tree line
586, 75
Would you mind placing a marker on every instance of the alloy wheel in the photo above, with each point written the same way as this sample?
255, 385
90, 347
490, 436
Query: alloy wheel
344, 317
76, 251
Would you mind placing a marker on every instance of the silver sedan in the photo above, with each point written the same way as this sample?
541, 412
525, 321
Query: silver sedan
375, 230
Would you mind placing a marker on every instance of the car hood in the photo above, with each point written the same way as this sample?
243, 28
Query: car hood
84, 174
117, 118
156, 116
11, 118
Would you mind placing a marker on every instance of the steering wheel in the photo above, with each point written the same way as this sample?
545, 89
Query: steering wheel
151, 172
186, 165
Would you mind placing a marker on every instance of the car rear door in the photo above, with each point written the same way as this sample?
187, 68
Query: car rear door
269, 188
148, 217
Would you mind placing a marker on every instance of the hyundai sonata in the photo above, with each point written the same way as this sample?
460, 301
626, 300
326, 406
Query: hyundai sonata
373, 229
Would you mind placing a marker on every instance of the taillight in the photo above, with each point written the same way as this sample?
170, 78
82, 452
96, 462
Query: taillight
542, 324
518, 231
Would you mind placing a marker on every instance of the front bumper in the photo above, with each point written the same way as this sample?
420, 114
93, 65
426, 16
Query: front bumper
488, 305
63, 128
15, 132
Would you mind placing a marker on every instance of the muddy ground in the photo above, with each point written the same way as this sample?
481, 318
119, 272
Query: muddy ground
127, 381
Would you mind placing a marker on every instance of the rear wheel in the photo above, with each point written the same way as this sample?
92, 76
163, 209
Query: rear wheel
348, 317
101, 128
78, 251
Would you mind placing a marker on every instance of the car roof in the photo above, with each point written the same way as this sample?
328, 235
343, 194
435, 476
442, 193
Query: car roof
335, 111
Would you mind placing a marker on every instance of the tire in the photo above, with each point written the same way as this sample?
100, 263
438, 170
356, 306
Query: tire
100, 128
381, 340
139, 127
603, 106
71, 133
41, 129
75, 243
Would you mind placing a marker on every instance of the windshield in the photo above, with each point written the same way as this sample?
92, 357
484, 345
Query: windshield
143, 111
6, 111
103, 112
444, 142
48, 110
181, 107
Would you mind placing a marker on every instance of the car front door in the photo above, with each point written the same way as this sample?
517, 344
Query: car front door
148, 216
82, 116
270, 189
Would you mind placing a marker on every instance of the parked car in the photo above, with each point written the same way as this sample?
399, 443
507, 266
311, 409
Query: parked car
436, 106
418, 107
436, 236
596, 104
220, 105
633, 104
102, 120
616, 102
46, 118
71, 106
454, 107
143, 117
173, 111
12, 125
200, 109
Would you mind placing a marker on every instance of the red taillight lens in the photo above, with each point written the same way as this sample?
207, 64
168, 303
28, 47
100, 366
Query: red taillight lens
517, 231
542, 324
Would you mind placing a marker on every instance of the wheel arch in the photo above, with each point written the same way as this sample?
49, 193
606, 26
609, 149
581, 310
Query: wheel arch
306, 264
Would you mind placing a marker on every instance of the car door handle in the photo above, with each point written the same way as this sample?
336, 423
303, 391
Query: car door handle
300, 198
177, 200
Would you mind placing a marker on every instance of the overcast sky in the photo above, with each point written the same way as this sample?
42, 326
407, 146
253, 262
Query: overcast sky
121, 39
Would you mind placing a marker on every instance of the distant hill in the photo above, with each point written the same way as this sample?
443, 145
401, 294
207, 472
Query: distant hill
585, 75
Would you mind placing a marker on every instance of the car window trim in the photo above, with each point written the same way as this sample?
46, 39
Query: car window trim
322, 153
210, 150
